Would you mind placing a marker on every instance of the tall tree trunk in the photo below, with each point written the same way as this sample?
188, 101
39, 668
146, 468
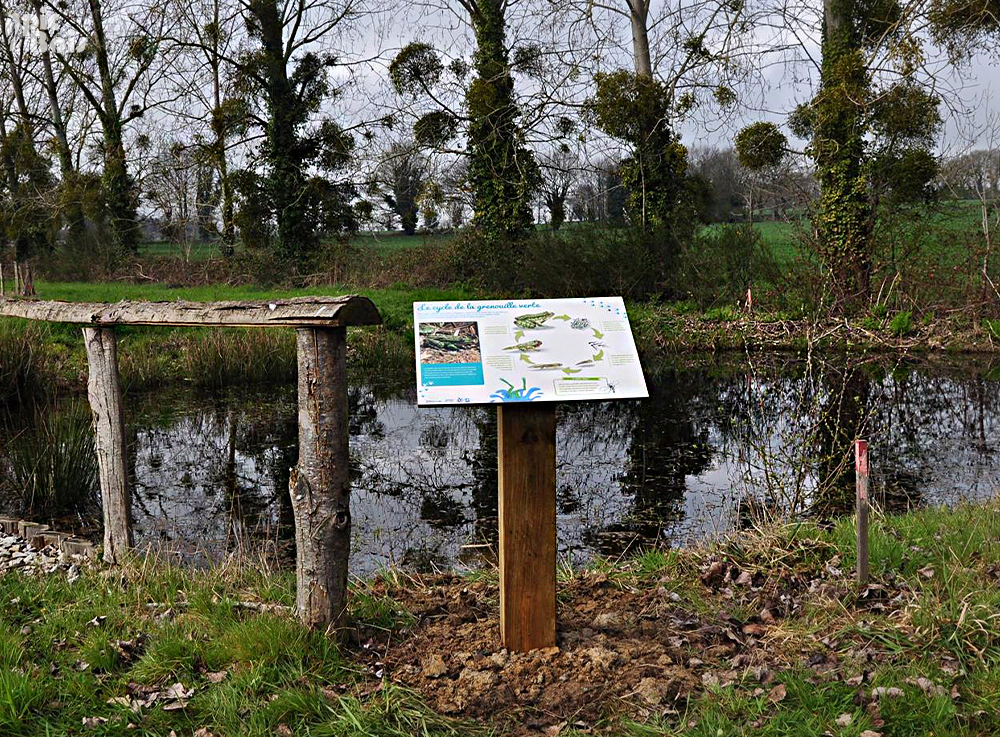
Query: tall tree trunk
73, 209
503, 173
9, 167
844, 225
286, 181
14, 73
32, 180
120, 196
220, 154
639, 15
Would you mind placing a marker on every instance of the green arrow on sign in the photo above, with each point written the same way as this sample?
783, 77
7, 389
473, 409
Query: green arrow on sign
561, 317
571, 371
599, 355
597, 333
518, 335
524, 357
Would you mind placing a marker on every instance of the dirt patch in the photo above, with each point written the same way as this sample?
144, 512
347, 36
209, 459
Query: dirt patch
621, 651
631, 646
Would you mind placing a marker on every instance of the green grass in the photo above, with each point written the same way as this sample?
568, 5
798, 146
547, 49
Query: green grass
199, 251
942, 563
388, 242
67, 651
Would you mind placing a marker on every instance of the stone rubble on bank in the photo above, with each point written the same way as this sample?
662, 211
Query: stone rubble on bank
17, 554
35, 549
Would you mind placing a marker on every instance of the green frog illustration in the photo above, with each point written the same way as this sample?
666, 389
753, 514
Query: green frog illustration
535, 320
528, 345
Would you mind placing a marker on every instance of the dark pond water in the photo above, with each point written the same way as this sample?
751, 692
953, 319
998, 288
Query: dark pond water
719, 441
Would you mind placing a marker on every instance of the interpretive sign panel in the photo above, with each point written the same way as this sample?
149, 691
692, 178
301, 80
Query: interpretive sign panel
544, 350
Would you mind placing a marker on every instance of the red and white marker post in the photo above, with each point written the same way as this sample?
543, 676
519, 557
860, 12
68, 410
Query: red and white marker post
862, 505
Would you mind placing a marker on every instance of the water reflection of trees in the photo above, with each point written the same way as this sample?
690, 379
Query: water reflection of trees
665, 439
788, 428
212, 470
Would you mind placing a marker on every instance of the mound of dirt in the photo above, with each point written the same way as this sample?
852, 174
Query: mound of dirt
619, 652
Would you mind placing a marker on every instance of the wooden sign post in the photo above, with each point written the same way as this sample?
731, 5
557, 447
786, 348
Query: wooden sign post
526, 464
862, 505
526, 355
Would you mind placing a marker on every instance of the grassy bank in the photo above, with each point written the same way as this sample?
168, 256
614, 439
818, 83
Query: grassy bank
151, 357
41, 355
765, 634
684, 327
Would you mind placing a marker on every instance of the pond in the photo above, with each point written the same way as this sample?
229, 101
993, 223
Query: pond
721, 442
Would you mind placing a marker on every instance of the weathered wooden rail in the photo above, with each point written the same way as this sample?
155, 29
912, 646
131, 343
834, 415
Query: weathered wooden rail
319, 488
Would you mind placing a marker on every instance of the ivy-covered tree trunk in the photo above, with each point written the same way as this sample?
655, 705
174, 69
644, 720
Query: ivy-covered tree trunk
217, 156
29, 219
70, 186
844, 225
502, 171
120, 197
286, 182
221, 133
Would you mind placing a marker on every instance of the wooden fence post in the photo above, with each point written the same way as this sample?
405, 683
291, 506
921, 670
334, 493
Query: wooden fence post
105, 394
320, 484
526, 460
862, 507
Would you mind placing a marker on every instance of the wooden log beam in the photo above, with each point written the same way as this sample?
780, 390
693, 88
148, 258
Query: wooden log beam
526, 457
320, 484
296, 312
105, 394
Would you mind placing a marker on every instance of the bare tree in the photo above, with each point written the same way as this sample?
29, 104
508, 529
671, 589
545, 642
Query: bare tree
399, 180
121, 81
559, 169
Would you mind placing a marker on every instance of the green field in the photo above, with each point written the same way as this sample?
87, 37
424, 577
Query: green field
380, 241
783, 236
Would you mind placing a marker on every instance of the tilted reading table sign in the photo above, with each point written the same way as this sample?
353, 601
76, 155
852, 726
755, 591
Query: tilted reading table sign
524, 356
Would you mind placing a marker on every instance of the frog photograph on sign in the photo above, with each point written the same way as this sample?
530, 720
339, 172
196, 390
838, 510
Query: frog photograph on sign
486, 352
449, 354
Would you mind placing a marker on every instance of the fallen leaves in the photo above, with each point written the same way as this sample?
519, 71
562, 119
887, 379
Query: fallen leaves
777, 694
176, 697
928, 686
887, 692
173, 698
